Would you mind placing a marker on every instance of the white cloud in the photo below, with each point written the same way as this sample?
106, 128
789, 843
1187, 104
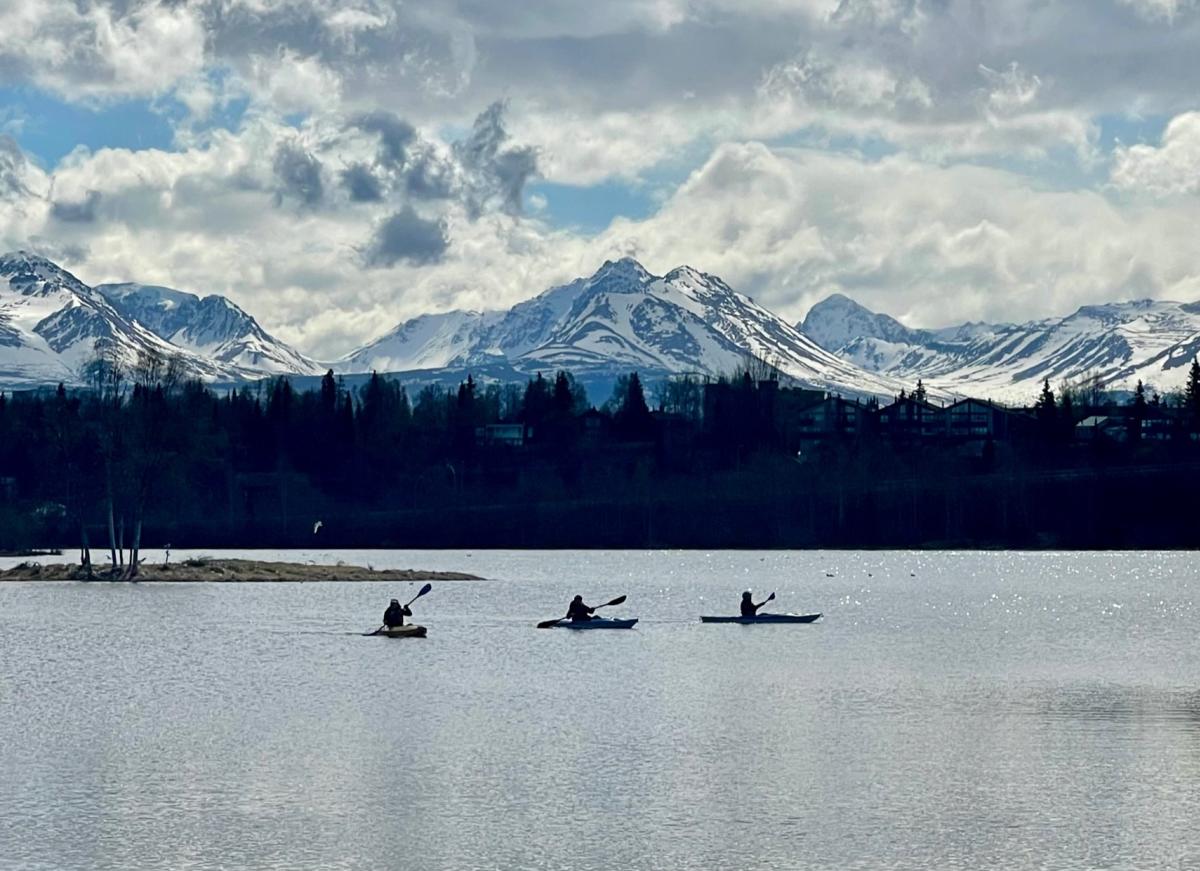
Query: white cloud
938, 243
89, 51
288, 83
943, 243
1013, 89
1173, 167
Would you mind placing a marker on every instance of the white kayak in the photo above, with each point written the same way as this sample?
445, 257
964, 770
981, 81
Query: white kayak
764, 618
598, 623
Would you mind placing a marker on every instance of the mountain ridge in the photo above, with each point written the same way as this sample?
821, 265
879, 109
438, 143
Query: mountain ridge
620, 317
51, 323
1112, 344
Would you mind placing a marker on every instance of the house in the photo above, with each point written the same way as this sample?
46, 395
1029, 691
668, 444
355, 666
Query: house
507, 434
1099, 426
909, 417
832, 416
981, 419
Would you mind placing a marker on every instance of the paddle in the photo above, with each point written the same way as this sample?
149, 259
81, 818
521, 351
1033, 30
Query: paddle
425, 589
546, 624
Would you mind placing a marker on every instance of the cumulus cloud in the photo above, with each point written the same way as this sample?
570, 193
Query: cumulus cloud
406, 236
940, 244
101, 50
298, 174
12, 169
1172, 167
77, 211
495, 172
361, 183
395, 135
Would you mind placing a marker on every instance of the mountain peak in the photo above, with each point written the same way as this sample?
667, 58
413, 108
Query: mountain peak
838, 319
23, 261
625, 267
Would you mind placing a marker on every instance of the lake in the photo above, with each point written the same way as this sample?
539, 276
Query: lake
951, 710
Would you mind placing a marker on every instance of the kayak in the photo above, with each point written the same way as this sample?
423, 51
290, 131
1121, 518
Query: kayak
764, 618
402, 632
598, 623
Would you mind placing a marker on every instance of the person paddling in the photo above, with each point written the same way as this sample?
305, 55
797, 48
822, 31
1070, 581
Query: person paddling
395, 614
749, 609
578, 612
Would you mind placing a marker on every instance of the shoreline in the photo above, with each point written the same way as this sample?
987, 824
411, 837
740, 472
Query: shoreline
228, 571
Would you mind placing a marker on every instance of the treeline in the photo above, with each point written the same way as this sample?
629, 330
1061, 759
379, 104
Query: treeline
143, 457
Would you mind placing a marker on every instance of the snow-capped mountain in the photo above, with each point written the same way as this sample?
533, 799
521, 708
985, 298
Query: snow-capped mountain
619, 319
50, 323
1116, 344
212, 327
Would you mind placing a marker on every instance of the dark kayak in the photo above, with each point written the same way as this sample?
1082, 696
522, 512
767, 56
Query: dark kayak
764, 618
409, 631
598, 623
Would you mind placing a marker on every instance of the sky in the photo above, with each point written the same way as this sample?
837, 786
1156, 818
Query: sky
338, 166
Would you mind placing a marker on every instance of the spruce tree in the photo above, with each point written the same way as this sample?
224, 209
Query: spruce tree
1191, 393
1047, 413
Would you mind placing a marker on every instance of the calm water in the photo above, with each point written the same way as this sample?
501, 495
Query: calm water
951, 711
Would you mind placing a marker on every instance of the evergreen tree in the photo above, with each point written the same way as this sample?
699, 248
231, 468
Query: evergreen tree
635, 407
919, 393
1047, 413
536, 404
1191, 393
1138, 404
563, 401
329, 394
633, 416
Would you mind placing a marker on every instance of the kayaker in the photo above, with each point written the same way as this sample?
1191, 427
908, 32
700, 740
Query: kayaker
749, 609
578, 612
395, 614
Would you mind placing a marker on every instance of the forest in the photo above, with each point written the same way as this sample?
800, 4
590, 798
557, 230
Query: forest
144, 458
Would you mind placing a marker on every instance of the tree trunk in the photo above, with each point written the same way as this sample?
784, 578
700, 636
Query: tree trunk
112, 533
121, 540
85, 551
137, 545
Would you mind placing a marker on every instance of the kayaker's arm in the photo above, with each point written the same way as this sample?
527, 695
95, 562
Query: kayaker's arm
763, 602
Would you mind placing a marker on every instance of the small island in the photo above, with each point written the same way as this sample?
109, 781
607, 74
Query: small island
232, 571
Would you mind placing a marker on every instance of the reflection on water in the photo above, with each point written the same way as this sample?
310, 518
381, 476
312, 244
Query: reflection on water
951, 711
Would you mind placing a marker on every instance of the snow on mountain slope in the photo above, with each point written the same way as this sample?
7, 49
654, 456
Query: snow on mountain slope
838, 320
212, 327
425, 342
51, 322
620, 318
1118, 344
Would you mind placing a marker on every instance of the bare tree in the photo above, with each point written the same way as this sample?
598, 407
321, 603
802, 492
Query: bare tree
106, 374
155, 375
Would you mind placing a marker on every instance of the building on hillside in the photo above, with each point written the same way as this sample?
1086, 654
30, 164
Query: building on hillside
973, 419
1101, 426
909, 418
831, 417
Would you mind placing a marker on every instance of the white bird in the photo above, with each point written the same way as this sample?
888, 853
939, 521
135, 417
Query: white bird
317, 526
